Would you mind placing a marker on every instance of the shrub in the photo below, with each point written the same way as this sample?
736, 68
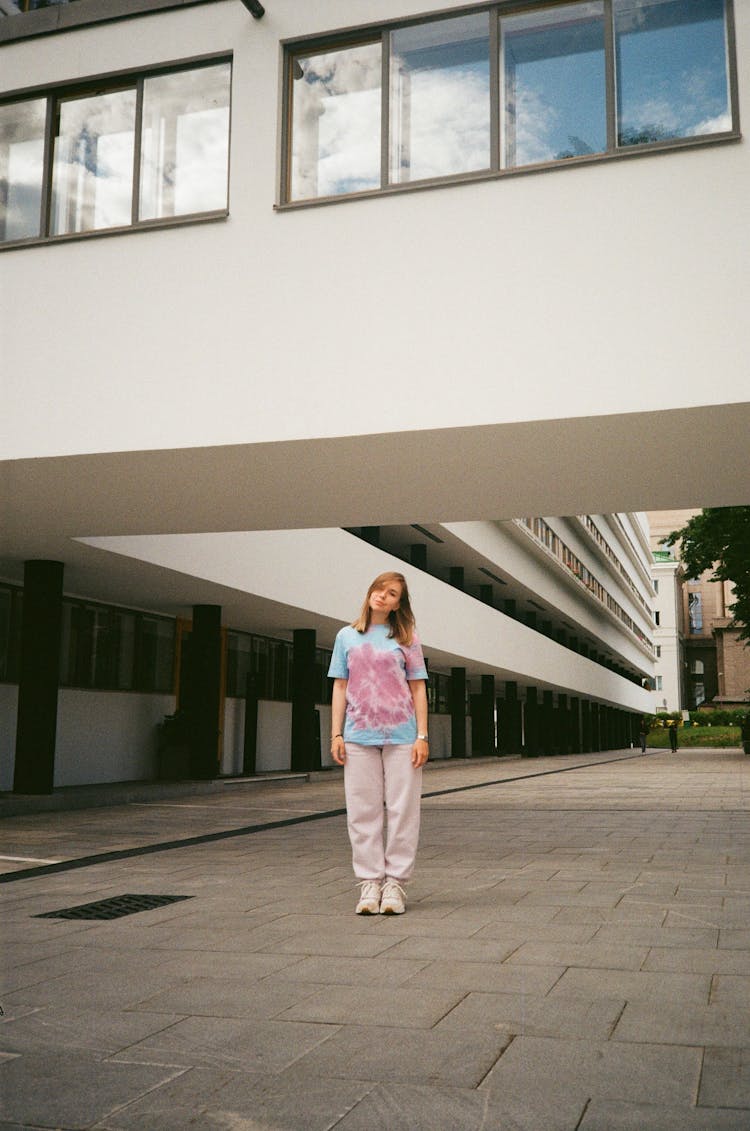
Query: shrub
718, 718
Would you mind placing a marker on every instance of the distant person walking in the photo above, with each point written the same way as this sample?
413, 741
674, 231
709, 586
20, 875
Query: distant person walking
379, 736
643, 734
672, 727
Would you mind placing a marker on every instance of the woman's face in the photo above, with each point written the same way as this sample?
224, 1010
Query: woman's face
386, 599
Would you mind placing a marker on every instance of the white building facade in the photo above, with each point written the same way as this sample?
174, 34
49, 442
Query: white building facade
669, 633
318, 271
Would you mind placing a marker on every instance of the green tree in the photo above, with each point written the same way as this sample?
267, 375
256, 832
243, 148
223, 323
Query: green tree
718, 539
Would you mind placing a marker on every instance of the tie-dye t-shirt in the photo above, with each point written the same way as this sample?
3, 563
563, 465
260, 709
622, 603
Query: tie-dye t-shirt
379, 705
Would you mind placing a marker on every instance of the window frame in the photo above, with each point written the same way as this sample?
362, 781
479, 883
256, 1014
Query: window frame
352, 36
132, 78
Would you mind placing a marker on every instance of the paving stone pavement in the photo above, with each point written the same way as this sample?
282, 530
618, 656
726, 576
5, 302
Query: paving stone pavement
575, 956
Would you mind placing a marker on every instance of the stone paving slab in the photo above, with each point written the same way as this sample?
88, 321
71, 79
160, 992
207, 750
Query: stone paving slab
574, 956
725, 1081
693, 988
608, 1115
378, 1005
233, 1044
695, 961
220, 1099
70, 1089
533, 1016
678, 1022
457, 1058
666, 1074
592, 955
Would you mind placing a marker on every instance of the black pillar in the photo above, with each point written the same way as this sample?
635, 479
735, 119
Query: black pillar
562, 725
304, 728
485, 595
576, 745
39, 677
607, 720
531, 724
509, 607
548, 738
585, 726
596, 742
458, 712
483, 718
509, 737
250, 735
203, 687
418, 555
456, 577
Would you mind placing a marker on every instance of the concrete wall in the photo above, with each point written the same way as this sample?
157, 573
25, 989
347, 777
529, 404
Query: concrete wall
274, 736
251, 329
106, 736
668, 636
102, 736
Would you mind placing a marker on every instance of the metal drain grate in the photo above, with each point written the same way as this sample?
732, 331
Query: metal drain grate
114, 908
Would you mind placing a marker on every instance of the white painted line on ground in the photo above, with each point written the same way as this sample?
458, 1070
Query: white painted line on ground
28, 860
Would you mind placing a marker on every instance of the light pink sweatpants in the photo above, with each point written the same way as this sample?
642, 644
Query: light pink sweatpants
374, 775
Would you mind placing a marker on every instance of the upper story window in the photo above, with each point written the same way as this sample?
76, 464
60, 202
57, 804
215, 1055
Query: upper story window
498, 90
115, 154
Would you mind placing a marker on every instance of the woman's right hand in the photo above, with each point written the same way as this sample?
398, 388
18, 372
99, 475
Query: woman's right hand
338, 750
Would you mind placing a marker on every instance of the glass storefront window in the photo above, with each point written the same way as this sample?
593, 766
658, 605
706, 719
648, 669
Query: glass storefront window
336, 122
92, 171
553, 84
185, 142
440, 98
22, 126
672, 69
155, 654
239, 662
11, 602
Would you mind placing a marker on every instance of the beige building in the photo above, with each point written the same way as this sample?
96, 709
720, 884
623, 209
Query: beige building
713, 663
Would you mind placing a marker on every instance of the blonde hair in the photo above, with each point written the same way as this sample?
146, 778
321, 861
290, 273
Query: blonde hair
401, 620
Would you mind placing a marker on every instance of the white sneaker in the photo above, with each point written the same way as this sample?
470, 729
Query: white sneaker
393, 899
369, 897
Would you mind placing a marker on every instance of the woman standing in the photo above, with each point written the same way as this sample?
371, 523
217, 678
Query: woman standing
379, 736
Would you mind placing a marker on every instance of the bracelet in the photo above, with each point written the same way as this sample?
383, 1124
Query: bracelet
336, 736
423, 737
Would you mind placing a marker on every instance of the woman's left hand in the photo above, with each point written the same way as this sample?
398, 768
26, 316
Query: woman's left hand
420, 753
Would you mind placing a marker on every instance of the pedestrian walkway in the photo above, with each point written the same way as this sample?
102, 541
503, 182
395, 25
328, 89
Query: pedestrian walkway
574, 957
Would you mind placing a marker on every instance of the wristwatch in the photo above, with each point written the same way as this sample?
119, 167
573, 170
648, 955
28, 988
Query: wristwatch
423, 737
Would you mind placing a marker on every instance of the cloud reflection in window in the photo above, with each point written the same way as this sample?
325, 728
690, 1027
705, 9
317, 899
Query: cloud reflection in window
440, 98
672, 69
185, 142
21, 168
92, 173
336, 119
553, 83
